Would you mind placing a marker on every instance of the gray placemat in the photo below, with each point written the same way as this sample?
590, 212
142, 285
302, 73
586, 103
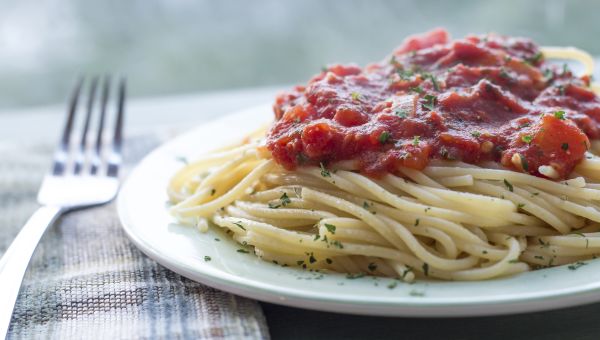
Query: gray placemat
86, 280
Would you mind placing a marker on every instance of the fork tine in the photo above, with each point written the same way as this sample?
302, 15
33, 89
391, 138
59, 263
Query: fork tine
99, 137
60, 158
80, 157
116, 153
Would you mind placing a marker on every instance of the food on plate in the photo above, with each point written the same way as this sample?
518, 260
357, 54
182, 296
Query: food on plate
464, 159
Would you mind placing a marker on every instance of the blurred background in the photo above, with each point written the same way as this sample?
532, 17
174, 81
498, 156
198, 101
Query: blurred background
188, 46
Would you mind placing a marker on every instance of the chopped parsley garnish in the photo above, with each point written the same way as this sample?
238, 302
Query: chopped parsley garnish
521, 205
312, 258
561, 89
426, 269
330, 228
565, 69
416, 140
576, 265
429, 102
207, 258
217, 239
366, 205
284, 200
565, 146
301, 158
355, 96
417, 89
392, 284
508, 185
243, 251
524, 163
527, 139
384, 137
324, 171
560, 115
476, 134
514, 261
401, 113
417, 222
355, 276
239, 224
504, 74
317, 236
535, 59
416, 293
372, 267
338, 244
182, 159
404, 74
434, 82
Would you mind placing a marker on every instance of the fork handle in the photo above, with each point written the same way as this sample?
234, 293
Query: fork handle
16, 259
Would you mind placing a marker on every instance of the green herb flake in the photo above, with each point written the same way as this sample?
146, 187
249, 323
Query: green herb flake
416, 140
182, 159
401, 113
576, 265
366, 205
239, 224
434, 82
355, 276
560, 115
392, 284
338, 244
317, 236
524, 163
429, 102
521, 205
324, 171
384, 137
417, 89
207, 258
527, 139
217, 239
356, 96
312, 258
536, 58
243, 251
508, 185
514, 261
404, 74
476, 134
565, 146
417, 222
426, 269
416, 293
285, 200
330, 228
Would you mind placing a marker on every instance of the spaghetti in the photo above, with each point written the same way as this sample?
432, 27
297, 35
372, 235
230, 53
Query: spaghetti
448, 220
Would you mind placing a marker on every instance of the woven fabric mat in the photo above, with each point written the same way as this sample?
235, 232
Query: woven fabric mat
86, 280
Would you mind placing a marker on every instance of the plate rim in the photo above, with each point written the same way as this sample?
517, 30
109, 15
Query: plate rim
421, 307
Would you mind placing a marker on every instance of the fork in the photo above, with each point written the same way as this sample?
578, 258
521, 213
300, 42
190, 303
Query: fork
82, 175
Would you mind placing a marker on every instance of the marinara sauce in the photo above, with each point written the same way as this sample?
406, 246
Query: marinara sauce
481, 98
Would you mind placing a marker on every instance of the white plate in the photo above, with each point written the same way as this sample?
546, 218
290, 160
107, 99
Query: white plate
142, 209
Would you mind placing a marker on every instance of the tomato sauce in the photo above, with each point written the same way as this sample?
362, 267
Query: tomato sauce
481, 98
